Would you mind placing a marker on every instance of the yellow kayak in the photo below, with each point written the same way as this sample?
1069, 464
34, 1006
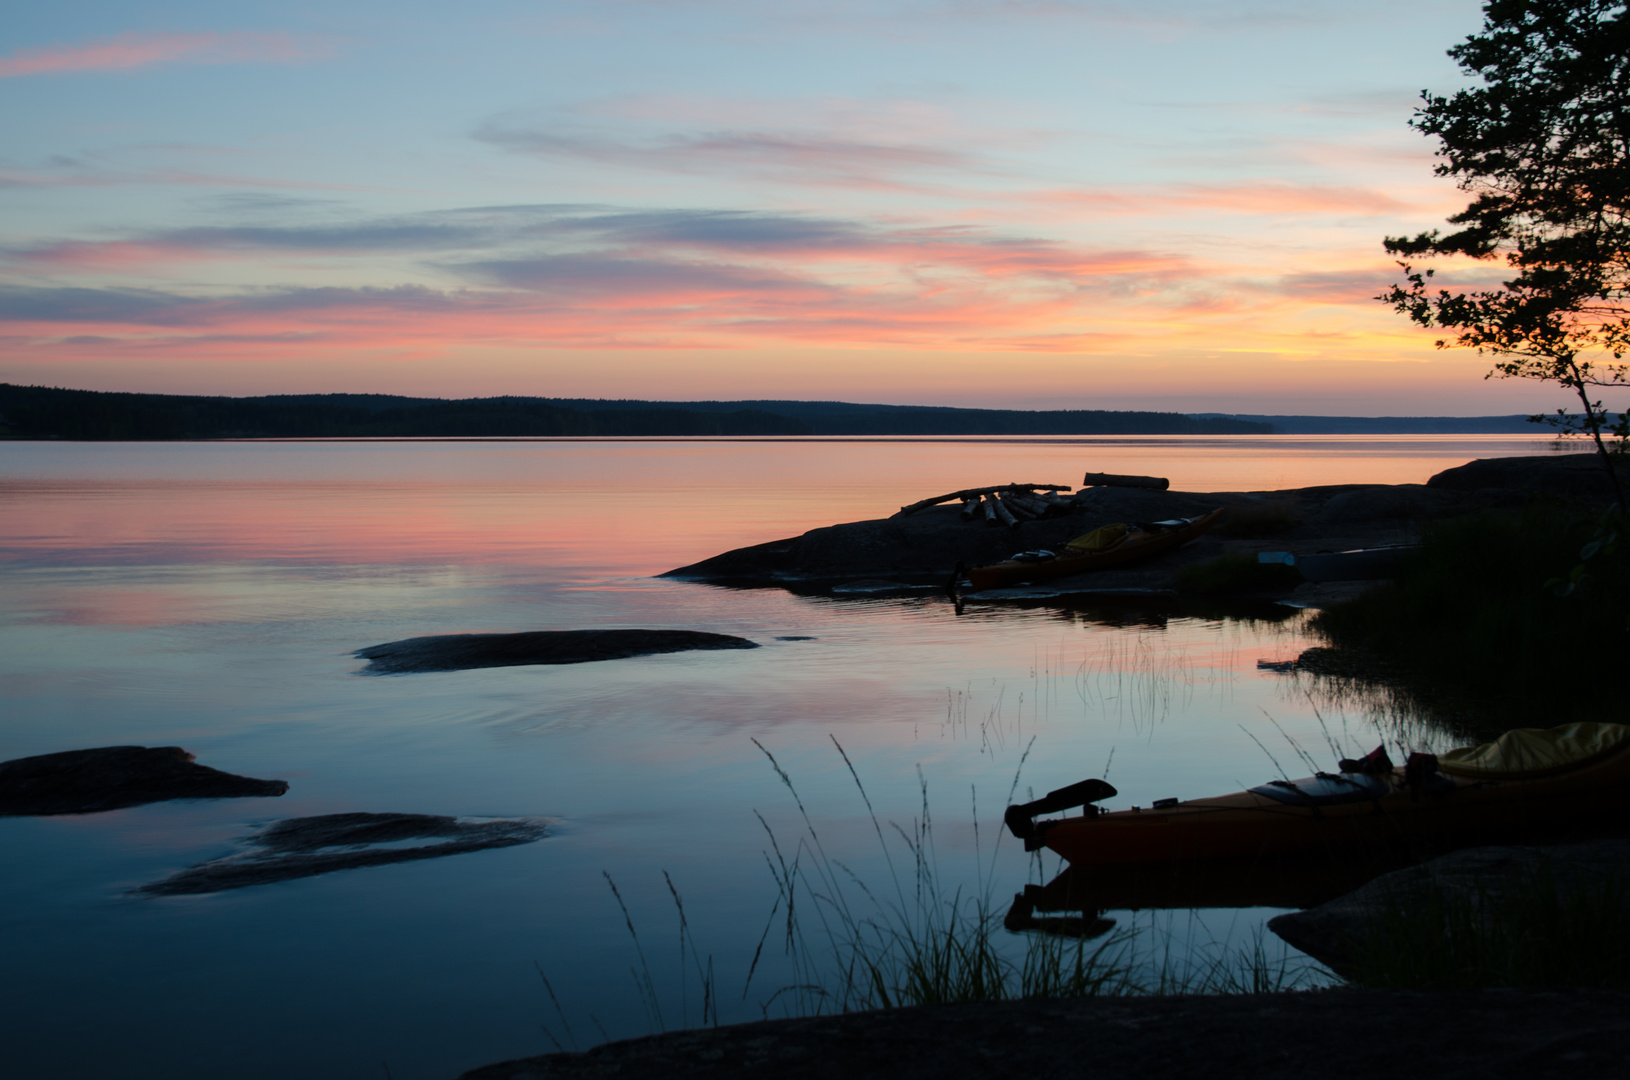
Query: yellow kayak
1111, 545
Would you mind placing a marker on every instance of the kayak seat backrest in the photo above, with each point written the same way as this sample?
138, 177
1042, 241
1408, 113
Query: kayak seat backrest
1534, 752
1100, 539
1325, 789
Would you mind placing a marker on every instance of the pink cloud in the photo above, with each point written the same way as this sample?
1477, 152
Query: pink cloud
116, 255
545, 277
1258, 197
137, 50
612, 303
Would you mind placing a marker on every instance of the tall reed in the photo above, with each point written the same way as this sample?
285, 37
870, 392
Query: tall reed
911, 939
916, 941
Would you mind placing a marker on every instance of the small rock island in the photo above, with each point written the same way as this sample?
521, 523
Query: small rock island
925, 547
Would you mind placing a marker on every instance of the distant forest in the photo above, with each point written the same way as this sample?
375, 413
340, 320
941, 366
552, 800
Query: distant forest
38, 412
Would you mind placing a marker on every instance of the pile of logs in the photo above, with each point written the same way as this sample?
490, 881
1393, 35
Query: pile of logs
1011, 504
1006, 504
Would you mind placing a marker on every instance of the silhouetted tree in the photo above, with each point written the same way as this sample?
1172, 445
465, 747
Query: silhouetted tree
1541, 145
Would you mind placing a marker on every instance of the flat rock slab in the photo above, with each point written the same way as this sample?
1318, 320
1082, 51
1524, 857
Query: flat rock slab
114, 777
306, 847
456, 652
1331, 932
1456, 1035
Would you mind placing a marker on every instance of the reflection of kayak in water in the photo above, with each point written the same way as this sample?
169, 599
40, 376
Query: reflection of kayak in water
1527, 778
1277, 881
1072, 904
1108, 546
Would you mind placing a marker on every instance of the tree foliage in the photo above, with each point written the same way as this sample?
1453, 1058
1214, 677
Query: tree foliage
1540, 144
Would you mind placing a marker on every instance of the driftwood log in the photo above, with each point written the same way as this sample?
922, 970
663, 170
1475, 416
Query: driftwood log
969, 493
1033, 505
1098, 479
1003, 514
970, 506
1019, 507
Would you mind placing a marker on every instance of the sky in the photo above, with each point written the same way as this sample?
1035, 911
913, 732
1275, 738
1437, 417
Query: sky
1171, 204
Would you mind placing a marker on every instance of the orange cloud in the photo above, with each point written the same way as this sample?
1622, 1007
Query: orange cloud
137, 50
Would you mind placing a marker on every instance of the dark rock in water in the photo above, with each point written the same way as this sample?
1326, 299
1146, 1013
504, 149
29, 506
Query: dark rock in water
306, 847
1334, 932
456, 652
114, 777
1565, 476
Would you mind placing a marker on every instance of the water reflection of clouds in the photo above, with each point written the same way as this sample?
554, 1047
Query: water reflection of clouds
192, 594
705, 706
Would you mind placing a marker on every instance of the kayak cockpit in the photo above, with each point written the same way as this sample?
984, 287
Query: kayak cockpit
1325, 789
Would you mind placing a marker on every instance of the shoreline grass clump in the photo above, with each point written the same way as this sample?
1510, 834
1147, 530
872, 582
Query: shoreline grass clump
1512, 616
852, 947
911, 942
1539, 931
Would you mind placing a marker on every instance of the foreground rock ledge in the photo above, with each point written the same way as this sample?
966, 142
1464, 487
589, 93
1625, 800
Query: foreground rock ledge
457, 652
1454, 1035
114, 777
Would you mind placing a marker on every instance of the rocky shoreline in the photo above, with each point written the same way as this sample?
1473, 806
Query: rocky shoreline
1343, 1031
1452, 1035
902, 553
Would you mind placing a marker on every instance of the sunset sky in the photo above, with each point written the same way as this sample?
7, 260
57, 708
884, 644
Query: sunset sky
1063, 204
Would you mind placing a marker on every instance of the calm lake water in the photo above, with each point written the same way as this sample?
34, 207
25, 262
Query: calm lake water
209, 596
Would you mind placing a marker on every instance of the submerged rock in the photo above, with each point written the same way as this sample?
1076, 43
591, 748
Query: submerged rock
306, 847
1335, 933
456, 652
114, 777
